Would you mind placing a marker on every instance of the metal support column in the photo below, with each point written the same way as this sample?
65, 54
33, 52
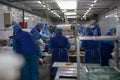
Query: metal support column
78, 59
23, 16
117, 53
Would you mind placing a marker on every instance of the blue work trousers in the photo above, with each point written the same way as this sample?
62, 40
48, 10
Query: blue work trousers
30, 70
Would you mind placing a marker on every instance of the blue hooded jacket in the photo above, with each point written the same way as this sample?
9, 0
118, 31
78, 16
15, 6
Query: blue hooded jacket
106, 48
97, 31
45, 32
36, 31
59, 45
24, 43
92, 53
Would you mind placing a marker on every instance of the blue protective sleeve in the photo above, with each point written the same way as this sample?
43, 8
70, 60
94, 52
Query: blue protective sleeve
97, 32
50, 44
83, 44
36, 35
14, 45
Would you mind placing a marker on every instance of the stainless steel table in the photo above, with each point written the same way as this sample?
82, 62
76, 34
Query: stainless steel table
66, 72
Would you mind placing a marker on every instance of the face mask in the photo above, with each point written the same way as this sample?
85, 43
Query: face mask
92, 26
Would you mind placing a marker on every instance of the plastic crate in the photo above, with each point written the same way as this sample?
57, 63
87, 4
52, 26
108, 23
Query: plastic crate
102, 73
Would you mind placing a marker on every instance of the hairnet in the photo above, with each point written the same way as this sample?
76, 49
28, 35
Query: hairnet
40, 24
16, 28
88, 30
93, 21
14, 23
58, 31
81, 27
112, 30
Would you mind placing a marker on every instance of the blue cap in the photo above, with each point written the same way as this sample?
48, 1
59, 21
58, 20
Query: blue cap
58, 31
40, 24
112, 30
16, 28
88, 30
14, 23
81, 27
93, 21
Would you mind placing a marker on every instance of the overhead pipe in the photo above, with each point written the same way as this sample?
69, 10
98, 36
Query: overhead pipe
99, 38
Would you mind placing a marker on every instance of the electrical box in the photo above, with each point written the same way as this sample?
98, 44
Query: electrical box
1, 21
7, 19
23, 25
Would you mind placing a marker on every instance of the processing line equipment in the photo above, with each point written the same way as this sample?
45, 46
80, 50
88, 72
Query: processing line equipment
115, 38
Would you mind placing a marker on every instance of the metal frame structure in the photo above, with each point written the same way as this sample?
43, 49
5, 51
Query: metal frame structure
116, 38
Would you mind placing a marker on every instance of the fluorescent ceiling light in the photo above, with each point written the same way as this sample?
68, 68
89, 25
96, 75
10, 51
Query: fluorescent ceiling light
67, 4
39, 2
52, 11
70, 13
44, 6
95, 1
71, 16
26, 18
87, 12
48, 8
90, 8
92, 5
57, 15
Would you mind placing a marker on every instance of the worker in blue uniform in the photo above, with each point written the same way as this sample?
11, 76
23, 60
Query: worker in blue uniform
107, 47
36, 31
92, 52
47, 34
25, 45
59, 45
81, 30
37, 36
46, 31
95, 27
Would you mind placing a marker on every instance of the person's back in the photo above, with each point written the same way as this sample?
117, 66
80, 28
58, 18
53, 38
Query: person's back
107, 47
26, 44
59, 45
97, 31
92, 54
59, 41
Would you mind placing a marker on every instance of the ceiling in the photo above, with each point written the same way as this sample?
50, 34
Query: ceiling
82, 8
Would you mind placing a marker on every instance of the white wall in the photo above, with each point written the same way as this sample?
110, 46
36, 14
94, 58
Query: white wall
4, 32
17, 15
